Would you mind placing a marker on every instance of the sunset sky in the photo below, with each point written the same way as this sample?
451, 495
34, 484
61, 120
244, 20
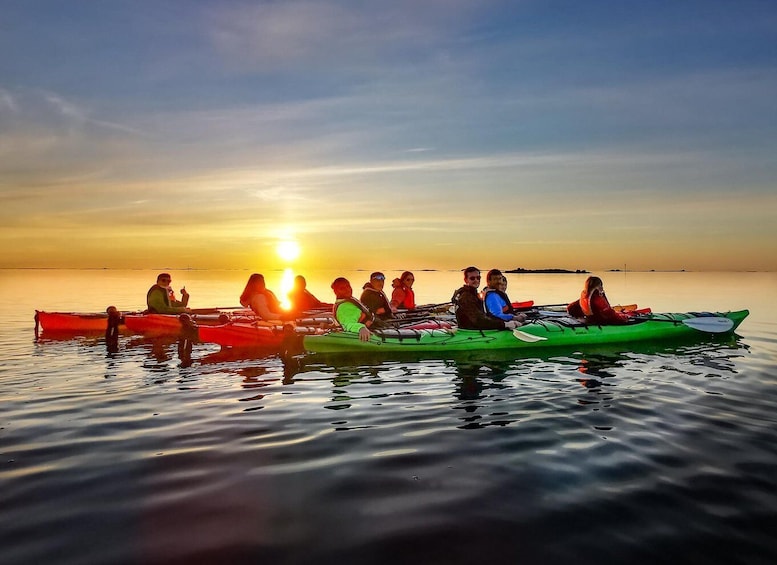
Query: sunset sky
389, 135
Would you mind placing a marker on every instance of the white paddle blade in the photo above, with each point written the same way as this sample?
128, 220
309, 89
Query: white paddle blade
710, 324
527, 337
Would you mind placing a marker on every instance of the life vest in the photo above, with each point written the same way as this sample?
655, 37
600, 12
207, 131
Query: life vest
380, 296
585, 303
366, 316
408, 298
163, 291
506, 309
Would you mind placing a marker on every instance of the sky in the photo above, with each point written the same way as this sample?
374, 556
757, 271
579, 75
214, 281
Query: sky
389, 135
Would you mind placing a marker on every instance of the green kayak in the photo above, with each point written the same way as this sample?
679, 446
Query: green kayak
541, 333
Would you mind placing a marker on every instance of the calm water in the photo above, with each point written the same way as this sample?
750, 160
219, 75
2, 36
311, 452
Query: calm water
660, 453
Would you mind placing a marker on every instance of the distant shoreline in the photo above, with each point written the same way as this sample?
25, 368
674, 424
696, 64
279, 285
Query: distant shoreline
547, 271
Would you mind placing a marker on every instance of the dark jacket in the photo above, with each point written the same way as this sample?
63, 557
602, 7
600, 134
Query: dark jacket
375, 299
470, 314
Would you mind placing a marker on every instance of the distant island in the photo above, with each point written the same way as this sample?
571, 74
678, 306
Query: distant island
547, 271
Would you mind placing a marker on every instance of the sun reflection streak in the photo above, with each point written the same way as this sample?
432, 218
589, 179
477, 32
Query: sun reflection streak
287, 283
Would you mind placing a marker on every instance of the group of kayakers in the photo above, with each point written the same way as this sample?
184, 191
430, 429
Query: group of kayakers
489, 309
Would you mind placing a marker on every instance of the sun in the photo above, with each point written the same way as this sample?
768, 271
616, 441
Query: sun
288, 250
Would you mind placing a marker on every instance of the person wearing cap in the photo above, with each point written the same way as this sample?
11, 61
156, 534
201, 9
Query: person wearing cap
469, 308
375, 299
350, 313
495, 299
160, 298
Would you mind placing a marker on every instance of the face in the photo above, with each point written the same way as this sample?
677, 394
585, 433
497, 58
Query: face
502, 284
378, 283
408, 280
164, 281
472, 279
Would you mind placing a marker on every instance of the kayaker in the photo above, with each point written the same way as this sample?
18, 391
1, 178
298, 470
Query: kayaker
375, 299
350, 313
469, 308
160, 298
302, 299
496, 302
261, 299
593, 306
403, 297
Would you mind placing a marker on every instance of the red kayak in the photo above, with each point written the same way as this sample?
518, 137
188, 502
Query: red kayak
169, 324
243, 333
71, 321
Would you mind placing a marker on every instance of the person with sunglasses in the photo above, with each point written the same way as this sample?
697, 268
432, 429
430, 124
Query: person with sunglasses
403, 297
375, 299
160, 298
469, 307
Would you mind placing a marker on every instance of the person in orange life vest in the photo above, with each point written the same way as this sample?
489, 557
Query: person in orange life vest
301, 298
350, 313
375, 299
260, 299
403, 297
160, 298
470, 312
593, 305
497, 303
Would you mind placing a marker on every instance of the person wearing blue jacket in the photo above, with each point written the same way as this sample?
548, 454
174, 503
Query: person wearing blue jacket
495, 300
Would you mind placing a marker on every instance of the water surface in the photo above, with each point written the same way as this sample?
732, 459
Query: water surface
655, 453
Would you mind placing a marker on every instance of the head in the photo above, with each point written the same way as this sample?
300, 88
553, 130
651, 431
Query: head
377, 280
342, 288
472, 277
494, 278
256, 281
164, 279
300, 283
407, 279
503, 284
592, 284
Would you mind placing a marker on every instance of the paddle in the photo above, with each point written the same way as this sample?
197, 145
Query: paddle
215, 309
709, 324
527, 337
545, 306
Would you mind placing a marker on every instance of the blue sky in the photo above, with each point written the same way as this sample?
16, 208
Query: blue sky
389, 135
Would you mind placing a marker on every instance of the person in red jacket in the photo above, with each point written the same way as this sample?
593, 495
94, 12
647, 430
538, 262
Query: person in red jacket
403, 297
593, 305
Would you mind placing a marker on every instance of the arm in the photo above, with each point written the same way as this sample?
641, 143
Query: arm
348, 316
397, 298
604, 312
259, 306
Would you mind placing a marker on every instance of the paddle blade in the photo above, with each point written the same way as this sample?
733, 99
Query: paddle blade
527, 337
710, 324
